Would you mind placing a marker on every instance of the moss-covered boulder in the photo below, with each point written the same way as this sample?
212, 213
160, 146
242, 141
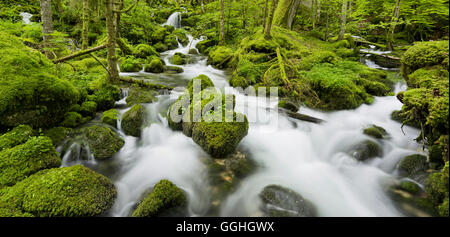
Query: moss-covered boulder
193, 51
110, 117
204, 45
16, 136
171, 41
58, 134
180, 59
159, 34
365, 150
137, 95
288, 105
376, 132
31, 91
23, 160
160, 47
166, 199
106, 96
62, 192
278, 201
220, 139
88, 108
412, 165
437, 189
103, 141
410, 199
203, 82
220, 56
156, 65
144, 51
424, 54
133, 120
130, 64
174, 69
181, 36
74, 119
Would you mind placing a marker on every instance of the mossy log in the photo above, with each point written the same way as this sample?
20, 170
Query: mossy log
79, 53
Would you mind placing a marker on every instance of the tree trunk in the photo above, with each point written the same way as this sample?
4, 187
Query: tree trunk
85, 31
282, 11
266, 12
269, 21
120, 8
343, 20
293, 13
111, 42
318, 12
390, 36
313, 13
203, 6
328, 20
47, 24
222, 23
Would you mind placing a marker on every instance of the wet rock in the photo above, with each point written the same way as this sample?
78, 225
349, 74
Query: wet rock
193, 51
415, 167
410, 199
288, 106
156, 65
103, 141
133, 120
278, 201
365, 150
181, 59
110, 117
137, 95
166, 199
174, 69
376, 132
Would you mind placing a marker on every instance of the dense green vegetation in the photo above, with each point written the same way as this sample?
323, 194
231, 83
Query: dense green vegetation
60, 83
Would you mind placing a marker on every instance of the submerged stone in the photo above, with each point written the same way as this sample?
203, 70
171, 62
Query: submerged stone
278, 201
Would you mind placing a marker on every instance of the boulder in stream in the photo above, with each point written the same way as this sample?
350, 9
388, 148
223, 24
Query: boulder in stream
365, 150
376, 132
110, 117
103, 141
133, 120
156, 65
278, 201
415, 167
410, 199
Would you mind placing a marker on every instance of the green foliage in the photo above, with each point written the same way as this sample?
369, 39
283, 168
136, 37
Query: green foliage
103, 141
437, 190
88, 108
220, 56
133, 120
31, 93
23, 160
62, 192
165, 197
15, 137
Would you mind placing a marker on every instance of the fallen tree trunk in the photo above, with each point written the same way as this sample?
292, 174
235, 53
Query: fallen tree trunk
298, 116
144, 84
79, 53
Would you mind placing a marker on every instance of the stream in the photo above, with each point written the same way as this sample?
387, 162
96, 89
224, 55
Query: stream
305, 157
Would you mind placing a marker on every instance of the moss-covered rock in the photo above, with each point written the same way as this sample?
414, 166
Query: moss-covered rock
174, 69
130, 64
278, 201
365, 150
204, 45
73, 119
202, 81
137, 95
88, 108
133, 120
410, 199
156, 65
23, 160
181, 36
375, 132
160, 47
144, 51
288, 105
413, 164
62, 192
31, 91
437, 189
58, 134
165, 199
103, 141
106, 96
16, 136
220, 56
193, 51
110, 117
180, 59
424, 54
171, 42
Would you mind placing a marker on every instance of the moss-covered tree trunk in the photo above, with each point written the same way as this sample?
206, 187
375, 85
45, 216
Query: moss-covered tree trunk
266, 12
343, 19
47, 25
327, 26
282, 11
222, 25
292, 13
269, 21
119, 8
111, 42
391, 31
85, 31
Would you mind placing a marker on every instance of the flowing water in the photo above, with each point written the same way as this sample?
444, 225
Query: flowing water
26, 17
308, 158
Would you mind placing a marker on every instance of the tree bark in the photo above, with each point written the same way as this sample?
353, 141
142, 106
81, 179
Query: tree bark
266, 12
47, 24
85, 31
222, 24
268, 28
343, 20
293, 13
328, 20
111, 42
390, 37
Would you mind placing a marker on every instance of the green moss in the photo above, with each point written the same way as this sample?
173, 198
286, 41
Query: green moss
317, 58
133, 120
413, 164
103, 141
171, 42
88, 108
137, 95
220, 56
58, 134
204, 45
193, 51
110, 117
375, 132
23, 160
288, 105
144, 51
160, 47
176, 112
424, 54
410, 187
31, 91
203, 81
106, 96
365, 150
72, 120
62, 192
15, 137
130, 64
437, 189
159, 34
165, 197
174, 69
181, 36
156, 65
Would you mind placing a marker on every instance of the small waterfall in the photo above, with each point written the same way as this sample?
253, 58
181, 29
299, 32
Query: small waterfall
78, 152
26, 17
174, 20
